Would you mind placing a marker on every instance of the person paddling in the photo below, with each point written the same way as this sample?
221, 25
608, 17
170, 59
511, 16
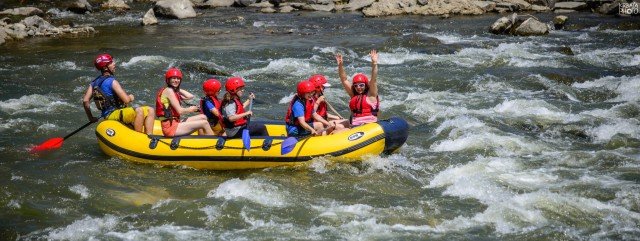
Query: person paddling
235, 117
301, 113
339, 124
112, 100
169, 108
210, 105
364, 103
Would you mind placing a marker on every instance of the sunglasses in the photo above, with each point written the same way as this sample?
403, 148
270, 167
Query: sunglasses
359, 85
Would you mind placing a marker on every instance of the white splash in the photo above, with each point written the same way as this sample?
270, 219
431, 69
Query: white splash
87, 228
254, 190
145, 60
33, 104
80, 190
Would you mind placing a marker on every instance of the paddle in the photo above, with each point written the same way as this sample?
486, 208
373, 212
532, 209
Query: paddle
246, 138
289, 143
334, 110
56, 142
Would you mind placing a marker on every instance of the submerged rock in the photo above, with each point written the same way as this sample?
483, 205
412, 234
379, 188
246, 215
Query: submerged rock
559, 21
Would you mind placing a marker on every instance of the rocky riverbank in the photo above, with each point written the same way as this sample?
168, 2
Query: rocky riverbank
24, 18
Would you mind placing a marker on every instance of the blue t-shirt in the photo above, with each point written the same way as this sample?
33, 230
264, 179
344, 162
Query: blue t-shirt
298, 111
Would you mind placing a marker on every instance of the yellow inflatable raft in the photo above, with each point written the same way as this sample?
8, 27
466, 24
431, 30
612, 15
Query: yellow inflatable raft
219, 153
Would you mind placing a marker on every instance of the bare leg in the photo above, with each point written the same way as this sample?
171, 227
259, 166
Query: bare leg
139, 119
149, 121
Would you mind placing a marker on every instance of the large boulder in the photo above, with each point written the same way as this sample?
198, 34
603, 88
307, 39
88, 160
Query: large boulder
116, 5
502, 25
245, 3
36, 22
149, 18
174, 9
356, 5
3, 36
79, 6
391, 7
571, 5
445, 7
320, 7
24, 11
532, 26
17, 31
213, 3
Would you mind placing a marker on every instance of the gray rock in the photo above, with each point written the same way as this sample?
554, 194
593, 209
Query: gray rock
530, 27
149, 18
395, 7
36, 22
267, 10
487, 6
323, 2
80, 6
559, 21
500, 26
214, 3
423, 2
287, 9
539, 8
3, 36
571, 5
510, 7
116, 4
245, 3
17, 31
564, 11
24, 11
356, 5
174, 9
262, 5
320, 7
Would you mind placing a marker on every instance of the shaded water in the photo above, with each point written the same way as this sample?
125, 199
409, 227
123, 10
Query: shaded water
511, 139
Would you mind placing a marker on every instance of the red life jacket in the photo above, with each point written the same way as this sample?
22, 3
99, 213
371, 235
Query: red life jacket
308, 111
322, 110
360, 107
213, 119
239, 110
166, 113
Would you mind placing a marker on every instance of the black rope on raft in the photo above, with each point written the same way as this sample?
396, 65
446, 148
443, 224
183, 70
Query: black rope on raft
213, 146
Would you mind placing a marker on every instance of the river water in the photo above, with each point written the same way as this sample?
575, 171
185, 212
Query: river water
512, 138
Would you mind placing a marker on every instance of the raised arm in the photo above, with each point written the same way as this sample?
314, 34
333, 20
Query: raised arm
373, 84
186, 95
343, 75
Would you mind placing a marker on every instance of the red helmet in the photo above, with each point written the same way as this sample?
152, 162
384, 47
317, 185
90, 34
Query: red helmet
233, 84
360, 78
211, 86
172, 72
102, 61
305, 87
319, 81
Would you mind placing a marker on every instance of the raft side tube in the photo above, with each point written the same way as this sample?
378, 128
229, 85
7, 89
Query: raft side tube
396, 131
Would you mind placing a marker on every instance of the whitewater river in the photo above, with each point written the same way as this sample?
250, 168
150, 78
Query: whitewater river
512, 138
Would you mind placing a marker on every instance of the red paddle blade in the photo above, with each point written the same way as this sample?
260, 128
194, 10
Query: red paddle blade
53, 143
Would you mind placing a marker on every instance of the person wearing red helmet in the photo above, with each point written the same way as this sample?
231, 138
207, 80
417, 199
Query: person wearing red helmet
339, 124
301, 113
210, 105
112, 100
364, 103
234, 116
169, 109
